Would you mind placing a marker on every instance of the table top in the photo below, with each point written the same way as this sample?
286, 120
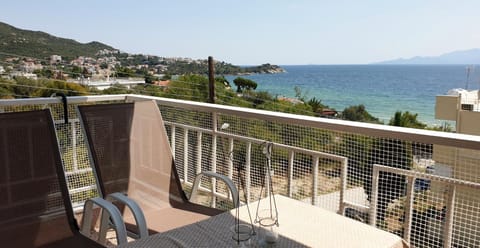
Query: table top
300, 225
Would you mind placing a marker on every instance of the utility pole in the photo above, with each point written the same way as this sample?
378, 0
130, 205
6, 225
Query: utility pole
211, 80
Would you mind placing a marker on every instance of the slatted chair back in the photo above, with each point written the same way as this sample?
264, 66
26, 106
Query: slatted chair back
35, 207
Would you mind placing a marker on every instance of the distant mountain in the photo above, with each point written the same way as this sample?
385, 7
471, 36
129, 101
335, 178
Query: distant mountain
38, 44
468, 57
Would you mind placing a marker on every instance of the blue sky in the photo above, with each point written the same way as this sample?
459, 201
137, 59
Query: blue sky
254, 32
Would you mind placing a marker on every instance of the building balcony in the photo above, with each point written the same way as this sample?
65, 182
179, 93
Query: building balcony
421, 185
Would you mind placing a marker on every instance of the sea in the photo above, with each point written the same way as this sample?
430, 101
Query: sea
383, 89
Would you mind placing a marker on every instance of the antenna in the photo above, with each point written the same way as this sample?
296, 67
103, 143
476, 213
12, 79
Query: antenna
469, 69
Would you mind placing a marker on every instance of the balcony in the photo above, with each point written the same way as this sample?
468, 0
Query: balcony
421, 185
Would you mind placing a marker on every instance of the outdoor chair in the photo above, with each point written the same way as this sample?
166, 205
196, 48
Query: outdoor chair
35, 207
131, 154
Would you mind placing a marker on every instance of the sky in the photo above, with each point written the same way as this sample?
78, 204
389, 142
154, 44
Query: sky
248, 32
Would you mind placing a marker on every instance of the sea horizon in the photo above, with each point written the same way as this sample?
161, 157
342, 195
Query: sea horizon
382, 88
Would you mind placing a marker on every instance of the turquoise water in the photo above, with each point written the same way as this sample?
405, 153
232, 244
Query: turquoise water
383, 89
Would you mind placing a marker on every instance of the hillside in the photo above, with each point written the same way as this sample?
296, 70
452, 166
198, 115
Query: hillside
465, 57
37, 44
40, 45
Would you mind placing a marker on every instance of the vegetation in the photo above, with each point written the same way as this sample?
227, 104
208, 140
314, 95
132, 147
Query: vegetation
125, 72
316, 105
445, 127
24, 87
358, 113
406, 119
265, 68
37, 44
201, 67
40, 46
244, 84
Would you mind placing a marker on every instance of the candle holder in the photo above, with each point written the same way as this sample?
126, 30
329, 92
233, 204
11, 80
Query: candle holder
267, 218
242, 233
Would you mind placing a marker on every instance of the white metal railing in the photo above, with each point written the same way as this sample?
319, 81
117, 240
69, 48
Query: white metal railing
424, 136
450, 183
191, 160
292, 151
377, 130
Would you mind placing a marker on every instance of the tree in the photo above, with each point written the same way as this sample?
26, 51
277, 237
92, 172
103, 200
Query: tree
76, 71
222, 80
117, 89
358, 113
7, 87
258, 98
406, 119
125, 72
86, 73
299, 94
316, 105
149, 78
24, 87
56, 86
46, 73
166, 76
103, 65
188, 87
244, 84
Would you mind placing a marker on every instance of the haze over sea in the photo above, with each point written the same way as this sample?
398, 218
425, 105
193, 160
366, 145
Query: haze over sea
383, 89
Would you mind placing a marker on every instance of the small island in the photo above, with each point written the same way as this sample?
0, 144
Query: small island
265, 69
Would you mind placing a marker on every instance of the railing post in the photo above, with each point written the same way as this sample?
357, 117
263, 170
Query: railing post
343, 186
185, 155
291, 157
409, 208
214, 158
230, 162
230, 158
199, 152
211, 80
74, 144
316, 160
172, 141
247, 169
448, 230
374, 196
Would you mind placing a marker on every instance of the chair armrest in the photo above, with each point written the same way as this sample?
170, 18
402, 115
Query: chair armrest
228, 182
136, 211
109, 212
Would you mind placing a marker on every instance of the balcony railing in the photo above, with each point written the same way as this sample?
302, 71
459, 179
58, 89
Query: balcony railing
428, 193
445, 215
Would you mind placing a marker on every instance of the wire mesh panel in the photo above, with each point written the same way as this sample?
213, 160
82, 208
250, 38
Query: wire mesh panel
73, 149
466, 227
428, 216
77, 167
433, 210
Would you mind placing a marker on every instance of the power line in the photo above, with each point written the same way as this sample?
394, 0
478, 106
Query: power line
276, 103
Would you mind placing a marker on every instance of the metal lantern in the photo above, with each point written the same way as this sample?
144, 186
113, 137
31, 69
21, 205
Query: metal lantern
267, 217
240, 232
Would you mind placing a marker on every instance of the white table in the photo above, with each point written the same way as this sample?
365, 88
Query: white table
301, 225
